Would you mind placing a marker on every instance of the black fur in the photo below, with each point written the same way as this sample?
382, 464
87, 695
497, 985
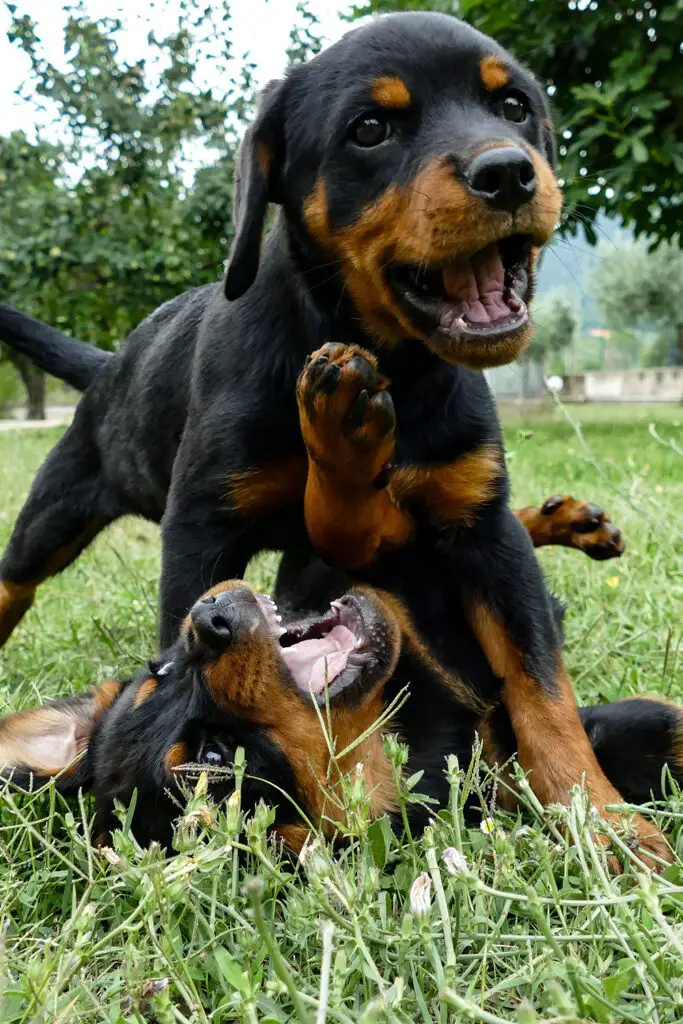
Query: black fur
52, 351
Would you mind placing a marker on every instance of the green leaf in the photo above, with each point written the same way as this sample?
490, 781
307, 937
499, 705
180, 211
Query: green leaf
639, 150
229, 969
380, 837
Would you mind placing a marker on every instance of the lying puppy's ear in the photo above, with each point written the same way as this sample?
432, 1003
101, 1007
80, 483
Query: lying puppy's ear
256, 185
53, 740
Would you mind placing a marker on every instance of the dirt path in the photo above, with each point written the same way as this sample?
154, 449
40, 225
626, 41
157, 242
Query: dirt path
57, 416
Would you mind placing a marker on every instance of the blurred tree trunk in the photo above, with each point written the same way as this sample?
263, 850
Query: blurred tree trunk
34, 383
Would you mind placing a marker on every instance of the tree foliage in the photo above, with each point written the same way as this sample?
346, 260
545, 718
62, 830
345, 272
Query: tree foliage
637, 287
613, 69
113, 222
555, 321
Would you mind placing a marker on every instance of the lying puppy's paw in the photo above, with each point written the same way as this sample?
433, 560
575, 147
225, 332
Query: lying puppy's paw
346, 412
582, 525
647, 843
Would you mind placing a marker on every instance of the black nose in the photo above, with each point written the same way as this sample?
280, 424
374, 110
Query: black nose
504, 177
218, 617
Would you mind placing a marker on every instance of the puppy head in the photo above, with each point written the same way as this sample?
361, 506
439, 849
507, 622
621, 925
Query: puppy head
236, 678
414, 163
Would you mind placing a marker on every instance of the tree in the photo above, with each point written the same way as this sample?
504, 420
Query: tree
641, 288
555, 329
305, 39
33, 214
613, 70
113, 222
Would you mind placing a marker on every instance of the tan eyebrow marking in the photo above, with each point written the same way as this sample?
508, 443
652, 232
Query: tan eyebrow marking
494, 73
391, 92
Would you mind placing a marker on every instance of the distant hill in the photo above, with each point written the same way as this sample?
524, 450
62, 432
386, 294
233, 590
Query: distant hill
568, 266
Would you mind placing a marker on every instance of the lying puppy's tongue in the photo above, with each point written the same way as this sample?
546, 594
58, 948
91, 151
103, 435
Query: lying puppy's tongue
477, 285
316, 663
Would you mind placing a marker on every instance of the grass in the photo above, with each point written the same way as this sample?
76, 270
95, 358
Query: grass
529, 928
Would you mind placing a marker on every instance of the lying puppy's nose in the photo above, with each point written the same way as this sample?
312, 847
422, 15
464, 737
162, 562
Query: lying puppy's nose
217, 618
504, 177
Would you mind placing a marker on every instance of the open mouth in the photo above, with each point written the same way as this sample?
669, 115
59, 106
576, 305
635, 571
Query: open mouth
481, 296
326, 656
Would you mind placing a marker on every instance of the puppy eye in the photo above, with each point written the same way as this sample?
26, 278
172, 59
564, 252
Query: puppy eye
515, 108
370, 130
211, 754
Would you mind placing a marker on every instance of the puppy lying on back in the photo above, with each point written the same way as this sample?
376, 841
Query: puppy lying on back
238, 677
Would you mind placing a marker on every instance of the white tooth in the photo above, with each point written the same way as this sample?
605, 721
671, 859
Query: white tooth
459, 324
336, 604
278, 618
281, 631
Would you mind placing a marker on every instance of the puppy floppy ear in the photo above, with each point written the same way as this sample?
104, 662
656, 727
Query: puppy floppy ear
54, 740
256, 185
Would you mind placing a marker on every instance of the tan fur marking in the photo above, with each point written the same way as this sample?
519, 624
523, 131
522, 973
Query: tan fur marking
392, 93
176, 755
105, 695
264, 157
558, 527
432, 221
273, 486
319, 777
15, 601
552, 744
348, 519
452, 493
293, 836
145, 690
494, 73
17, 598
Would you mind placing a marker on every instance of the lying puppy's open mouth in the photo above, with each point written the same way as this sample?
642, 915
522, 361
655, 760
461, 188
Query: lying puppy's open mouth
478, 297
326, 656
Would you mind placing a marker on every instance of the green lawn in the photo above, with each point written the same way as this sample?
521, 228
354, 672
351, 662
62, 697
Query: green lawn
533, 930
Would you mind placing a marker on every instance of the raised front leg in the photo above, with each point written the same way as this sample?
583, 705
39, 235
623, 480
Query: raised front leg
570, 523
348, 423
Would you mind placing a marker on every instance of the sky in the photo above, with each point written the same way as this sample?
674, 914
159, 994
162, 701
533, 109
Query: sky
260, 27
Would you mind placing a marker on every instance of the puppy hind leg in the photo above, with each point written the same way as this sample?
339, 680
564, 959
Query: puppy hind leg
67, 506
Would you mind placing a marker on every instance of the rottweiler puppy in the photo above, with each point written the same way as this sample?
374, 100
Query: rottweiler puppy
301, 699
412, 165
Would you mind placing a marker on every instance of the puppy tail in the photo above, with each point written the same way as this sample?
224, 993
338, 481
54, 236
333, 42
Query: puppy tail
634, 740
50, 350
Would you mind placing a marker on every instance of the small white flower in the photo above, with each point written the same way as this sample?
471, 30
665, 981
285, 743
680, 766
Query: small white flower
421, 894
309, 848
359, 769
454, 861
111, 856
487, 825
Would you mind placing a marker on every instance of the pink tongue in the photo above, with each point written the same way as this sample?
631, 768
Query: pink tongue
477, 285
315, 663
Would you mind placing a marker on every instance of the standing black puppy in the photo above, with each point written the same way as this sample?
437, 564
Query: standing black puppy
412, 164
